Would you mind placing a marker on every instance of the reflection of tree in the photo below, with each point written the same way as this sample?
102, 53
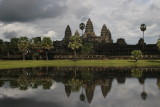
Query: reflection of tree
47, 83
144, 94
75, 84
87, 76
13, 83
121, 79
82, 96
141, 80
136, 72
35, 83
23, 83
1, 83
158, 83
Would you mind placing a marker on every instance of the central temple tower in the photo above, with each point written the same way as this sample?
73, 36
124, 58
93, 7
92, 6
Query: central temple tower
89, 31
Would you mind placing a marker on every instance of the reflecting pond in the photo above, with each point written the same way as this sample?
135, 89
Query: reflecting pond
80, 87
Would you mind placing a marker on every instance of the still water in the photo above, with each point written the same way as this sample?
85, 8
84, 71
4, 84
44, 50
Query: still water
80, 87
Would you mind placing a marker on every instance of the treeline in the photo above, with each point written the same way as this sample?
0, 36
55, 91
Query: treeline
21, 47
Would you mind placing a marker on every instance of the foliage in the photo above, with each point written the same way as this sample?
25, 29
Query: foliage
14, 45
75, 84
1, 45
75, 43
6, 48
82, 26
136, 73
143, 27
158, 83
87, 76
23, 46
136, 54
158, 43
47, 83
47, 44
87, 48
36, 45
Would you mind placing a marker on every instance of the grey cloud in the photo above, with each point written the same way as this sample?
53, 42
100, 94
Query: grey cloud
28, 10
9, 35
84, 18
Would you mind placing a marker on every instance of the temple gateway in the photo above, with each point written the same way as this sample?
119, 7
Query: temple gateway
103, 46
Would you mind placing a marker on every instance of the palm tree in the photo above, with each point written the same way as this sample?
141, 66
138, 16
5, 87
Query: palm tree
47, 45
158, 43
136, 73
14, 45
82, 96
23, 46
75, 43
1, 46
144, 94
143, 28
136, 54
82, 26
35, 46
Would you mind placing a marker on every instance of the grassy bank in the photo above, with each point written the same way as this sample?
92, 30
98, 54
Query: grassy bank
30, 63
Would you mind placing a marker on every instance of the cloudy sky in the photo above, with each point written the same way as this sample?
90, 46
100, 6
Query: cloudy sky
34, 18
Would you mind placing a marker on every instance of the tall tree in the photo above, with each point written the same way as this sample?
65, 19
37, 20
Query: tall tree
82, 26
87, 48
75, 43
14, 45
47, 45
143, 28
136, 54
158, 43
6, 48
23, 46
1, 46
36, 45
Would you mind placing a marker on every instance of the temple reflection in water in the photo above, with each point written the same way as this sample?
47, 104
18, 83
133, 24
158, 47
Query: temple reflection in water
75, 79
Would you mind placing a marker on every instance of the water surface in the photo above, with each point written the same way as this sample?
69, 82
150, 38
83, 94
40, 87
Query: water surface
80, 87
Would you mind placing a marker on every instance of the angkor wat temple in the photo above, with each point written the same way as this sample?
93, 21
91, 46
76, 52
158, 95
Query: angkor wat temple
103, 45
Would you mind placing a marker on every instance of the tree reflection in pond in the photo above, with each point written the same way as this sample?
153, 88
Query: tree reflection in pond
83, 83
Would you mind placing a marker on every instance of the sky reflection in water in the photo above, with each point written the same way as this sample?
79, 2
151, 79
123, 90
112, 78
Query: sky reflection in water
123, 92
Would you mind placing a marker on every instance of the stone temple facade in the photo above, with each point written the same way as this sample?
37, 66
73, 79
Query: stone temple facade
103, 44
90, 35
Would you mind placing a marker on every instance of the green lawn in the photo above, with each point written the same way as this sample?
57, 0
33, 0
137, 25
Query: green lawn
4, 64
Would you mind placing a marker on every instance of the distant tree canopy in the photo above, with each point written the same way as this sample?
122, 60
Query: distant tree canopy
136, 54
87, 48
158, 43
47, 44
75, 43
23, 46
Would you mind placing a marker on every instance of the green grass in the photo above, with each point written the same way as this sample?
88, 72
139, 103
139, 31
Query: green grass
5, 64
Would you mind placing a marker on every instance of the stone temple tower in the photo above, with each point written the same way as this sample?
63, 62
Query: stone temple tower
77, 33
68, 33
106, 35
89, 31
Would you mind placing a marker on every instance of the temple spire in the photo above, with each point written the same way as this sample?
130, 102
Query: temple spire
68, 32
77, 33
89, 26
106, 34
